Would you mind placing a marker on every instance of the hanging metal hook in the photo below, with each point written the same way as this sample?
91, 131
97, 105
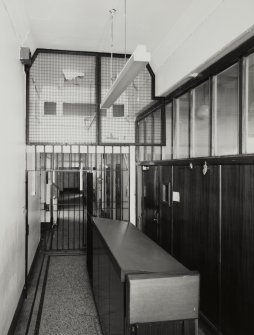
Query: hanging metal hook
205, 169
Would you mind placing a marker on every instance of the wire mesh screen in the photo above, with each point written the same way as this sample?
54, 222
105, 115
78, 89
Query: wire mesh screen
118, 122
62, 99
149, 128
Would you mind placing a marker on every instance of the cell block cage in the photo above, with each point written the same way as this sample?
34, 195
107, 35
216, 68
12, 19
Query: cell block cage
64, 94
63, 187
62, 99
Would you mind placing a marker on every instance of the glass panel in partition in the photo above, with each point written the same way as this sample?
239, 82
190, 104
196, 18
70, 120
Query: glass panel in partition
157, 127
141, 154
167, 149
250, 104
227, 112
141, 131
149, 129
184, 126
201, 126
148, 153
156, 153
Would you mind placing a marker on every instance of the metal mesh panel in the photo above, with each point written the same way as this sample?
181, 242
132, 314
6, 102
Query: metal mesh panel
136, 98
157, 126
149, 128
62, 99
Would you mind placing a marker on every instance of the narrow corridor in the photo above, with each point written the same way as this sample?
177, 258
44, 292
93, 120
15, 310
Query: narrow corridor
59, 299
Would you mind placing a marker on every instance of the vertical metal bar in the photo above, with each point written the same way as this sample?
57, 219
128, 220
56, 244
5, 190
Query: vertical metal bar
112, 185
35, 157
83, 208
68, 203
240, 105
152, 139
62, 208
121, 189
245, 104
62, 195
57, 210
79, 204
172, 129
95, 186
27, 70
220, 250
45, 185
102, 181
74, 204
26, 235
211, 125
53, 157
98, 97
214, 117
129, 182
192, 123
189, 128
172, 210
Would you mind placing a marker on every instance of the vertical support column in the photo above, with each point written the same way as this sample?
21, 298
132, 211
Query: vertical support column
26, 235
132, 190
98, 97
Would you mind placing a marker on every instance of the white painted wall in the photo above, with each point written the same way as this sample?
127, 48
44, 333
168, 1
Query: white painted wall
34, 215
207, 30
12, 171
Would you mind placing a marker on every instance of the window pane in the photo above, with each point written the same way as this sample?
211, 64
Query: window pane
149, 128
157, 127
250, 118
184, 121
148, 153
141, 129
141, 154
156, 153
201, 121
167, 150
227, 112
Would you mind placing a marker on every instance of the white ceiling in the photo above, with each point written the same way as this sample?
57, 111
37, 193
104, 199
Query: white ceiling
85, 24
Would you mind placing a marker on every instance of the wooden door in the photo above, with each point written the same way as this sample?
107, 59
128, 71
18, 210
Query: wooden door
165, 208
151, 202
237, 250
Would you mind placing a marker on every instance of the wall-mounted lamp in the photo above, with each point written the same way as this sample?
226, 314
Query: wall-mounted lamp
137, 62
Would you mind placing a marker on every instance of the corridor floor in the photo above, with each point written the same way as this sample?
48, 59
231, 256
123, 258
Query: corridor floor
60, 299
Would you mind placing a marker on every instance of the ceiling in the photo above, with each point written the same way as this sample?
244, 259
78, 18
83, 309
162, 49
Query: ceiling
85, 25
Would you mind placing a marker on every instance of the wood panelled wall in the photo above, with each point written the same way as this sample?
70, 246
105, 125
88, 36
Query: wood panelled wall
211, 229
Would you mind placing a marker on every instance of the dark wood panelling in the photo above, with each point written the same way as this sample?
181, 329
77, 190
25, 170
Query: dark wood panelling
237, 265
151, 202
196, 230
165, 226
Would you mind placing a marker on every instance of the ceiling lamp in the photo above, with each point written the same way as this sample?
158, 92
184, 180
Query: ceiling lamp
138, 60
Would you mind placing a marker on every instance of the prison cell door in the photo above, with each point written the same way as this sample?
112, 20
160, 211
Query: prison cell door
151, 202
68, 210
